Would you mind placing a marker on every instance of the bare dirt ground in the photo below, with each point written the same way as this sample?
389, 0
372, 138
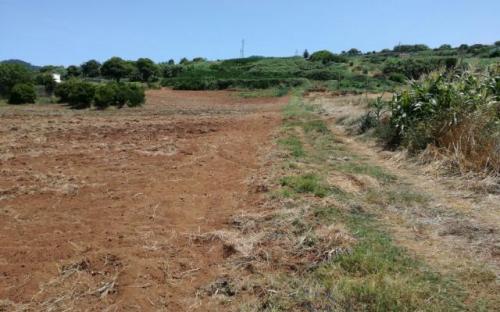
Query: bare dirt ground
109, 209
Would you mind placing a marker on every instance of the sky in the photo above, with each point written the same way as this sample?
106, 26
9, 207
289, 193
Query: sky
65, 32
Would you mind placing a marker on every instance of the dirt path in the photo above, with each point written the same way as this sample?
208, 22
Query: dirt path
451, 228
108, 209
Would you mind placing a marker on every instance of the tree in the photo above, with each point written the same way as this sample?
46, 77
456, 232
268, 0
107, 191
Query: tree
463, 47
306, 54
47, 81
354, 51
409, 48
115, 68
445, 47
171, 62
12, 74
73, 71
497, 43
325, 57
22, 93
91, 69
184, 61
147, 69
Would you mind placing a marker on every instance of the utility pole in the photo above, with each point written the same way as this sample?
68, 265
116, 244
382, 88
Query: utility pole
242, 51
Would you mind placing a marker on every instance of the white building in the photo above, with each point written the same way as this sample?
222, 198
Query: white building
57, 78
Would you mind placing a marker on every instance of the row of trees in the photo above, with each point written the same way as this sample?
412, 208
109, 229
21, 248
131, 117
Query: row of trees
116, 68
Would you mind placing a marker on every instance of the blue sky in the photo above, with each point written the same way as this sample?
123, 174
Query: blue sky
70, 32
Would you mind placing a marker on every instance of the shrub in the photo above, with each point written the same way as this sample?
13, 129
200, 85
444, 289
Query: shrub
77, 93
415, 67
12, 74
495, 53
135, 95
325, 57
321, 74
119, 94
397, 77
47, 81
105, 95
407, 48
22, 93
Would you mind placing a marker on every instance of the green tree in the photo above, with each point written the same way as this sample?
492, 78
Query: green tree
22, 93
353, 51
171, 62
147, 69
306, 54
325, 57
91, 69
47, 81
184, 61
445, 47
116, 68
73, 71
12, 74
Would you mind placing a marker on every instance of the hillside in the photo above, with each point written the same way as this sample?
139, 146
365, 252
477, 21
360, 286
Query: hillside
21, 62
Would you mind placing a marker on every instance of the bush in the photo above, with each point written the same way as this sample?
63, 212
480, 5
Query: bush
78, 94
22, 93
12, 74
105, 95
325, 57
321, 74
407, 48
397, 77
119, 94
415, 67
135, 95
47, 81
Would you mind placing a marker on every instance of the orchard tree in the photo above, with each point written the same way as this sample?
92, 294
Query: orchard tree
147, 69
91, 69
12, 74
116, 68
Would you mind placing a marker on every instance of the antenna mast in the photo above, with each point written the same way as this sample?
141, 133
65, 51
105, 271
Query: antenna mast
242, 51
